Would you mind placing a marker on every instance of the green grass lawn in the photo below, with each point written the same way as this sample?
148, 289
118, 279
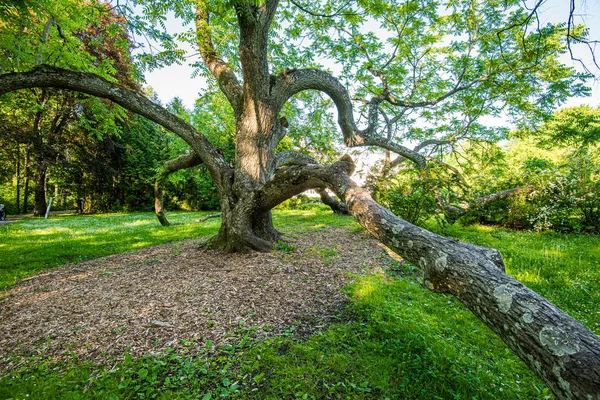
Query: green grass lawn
395, 340
34, 244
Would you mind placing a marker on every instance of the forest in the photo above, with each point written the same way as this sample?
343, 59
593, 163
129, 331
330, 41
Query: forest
367, 199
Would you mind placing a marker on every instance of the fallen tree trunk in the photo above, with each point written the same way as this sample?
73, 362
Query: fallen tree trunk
559, 349
564, 353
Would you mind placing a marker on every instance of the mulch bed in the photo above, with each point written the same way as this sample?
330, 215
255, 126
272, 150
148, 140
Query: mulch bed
152, 299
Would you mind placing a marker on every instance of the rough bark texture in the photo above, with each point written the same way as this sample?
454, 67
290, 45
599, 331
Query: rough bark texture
158, 204
564, 353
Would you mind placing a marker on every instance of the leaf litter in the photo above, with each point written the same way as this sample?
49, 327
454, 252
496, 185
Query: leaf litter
179, 295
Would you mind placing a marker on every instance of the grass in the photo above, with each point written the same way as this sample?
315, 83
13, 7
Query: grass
32, 245
561, 267
395, 340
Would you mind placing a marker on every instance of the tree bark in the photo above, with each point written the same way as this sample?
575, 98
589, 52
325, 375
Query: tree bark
158, 204
18, 179
560, 350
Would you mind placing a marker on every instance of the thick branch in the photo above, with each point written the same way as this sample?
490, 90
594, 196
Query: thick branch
46, 76
296, 179
289, 158
187, 160
563, 353
291, 82
228, 82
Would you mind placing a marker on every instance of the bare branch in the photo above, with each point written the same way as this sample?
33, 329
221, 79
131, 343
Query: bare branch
290, 82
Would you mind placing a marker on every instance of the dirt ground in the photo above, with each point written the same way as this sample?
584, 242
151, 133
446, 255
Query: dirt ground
157, 297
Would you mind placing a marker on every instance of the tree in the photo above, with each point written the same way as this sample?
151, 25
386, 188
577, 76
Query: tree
449, 66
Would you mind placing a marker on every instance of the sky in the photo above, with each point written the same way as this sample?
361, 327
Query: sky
176, 80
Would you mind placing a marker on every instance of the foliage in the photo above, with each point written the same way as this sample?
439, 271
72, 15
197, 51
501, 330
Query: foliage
559, 162
412, 193
575, 126
396, 339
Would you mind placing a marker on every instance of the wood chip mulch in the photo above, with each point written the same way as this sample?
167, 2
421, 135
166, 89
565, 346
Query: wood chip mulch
153, 299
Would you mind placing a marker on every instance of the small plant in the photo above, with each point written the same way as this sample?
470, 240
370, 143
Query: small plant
284, 247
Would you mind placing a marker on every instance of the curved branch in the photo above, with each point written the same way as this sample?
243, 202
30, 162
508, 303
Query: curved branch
293, 180
47, 76
289, 158
187, 160
228, 82
291, 82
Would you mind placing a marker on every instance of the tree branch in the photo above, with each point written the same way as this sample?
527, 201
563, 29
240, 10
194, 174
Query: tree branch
291, 82
289, 158
228, 82
46, 76
187, 160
